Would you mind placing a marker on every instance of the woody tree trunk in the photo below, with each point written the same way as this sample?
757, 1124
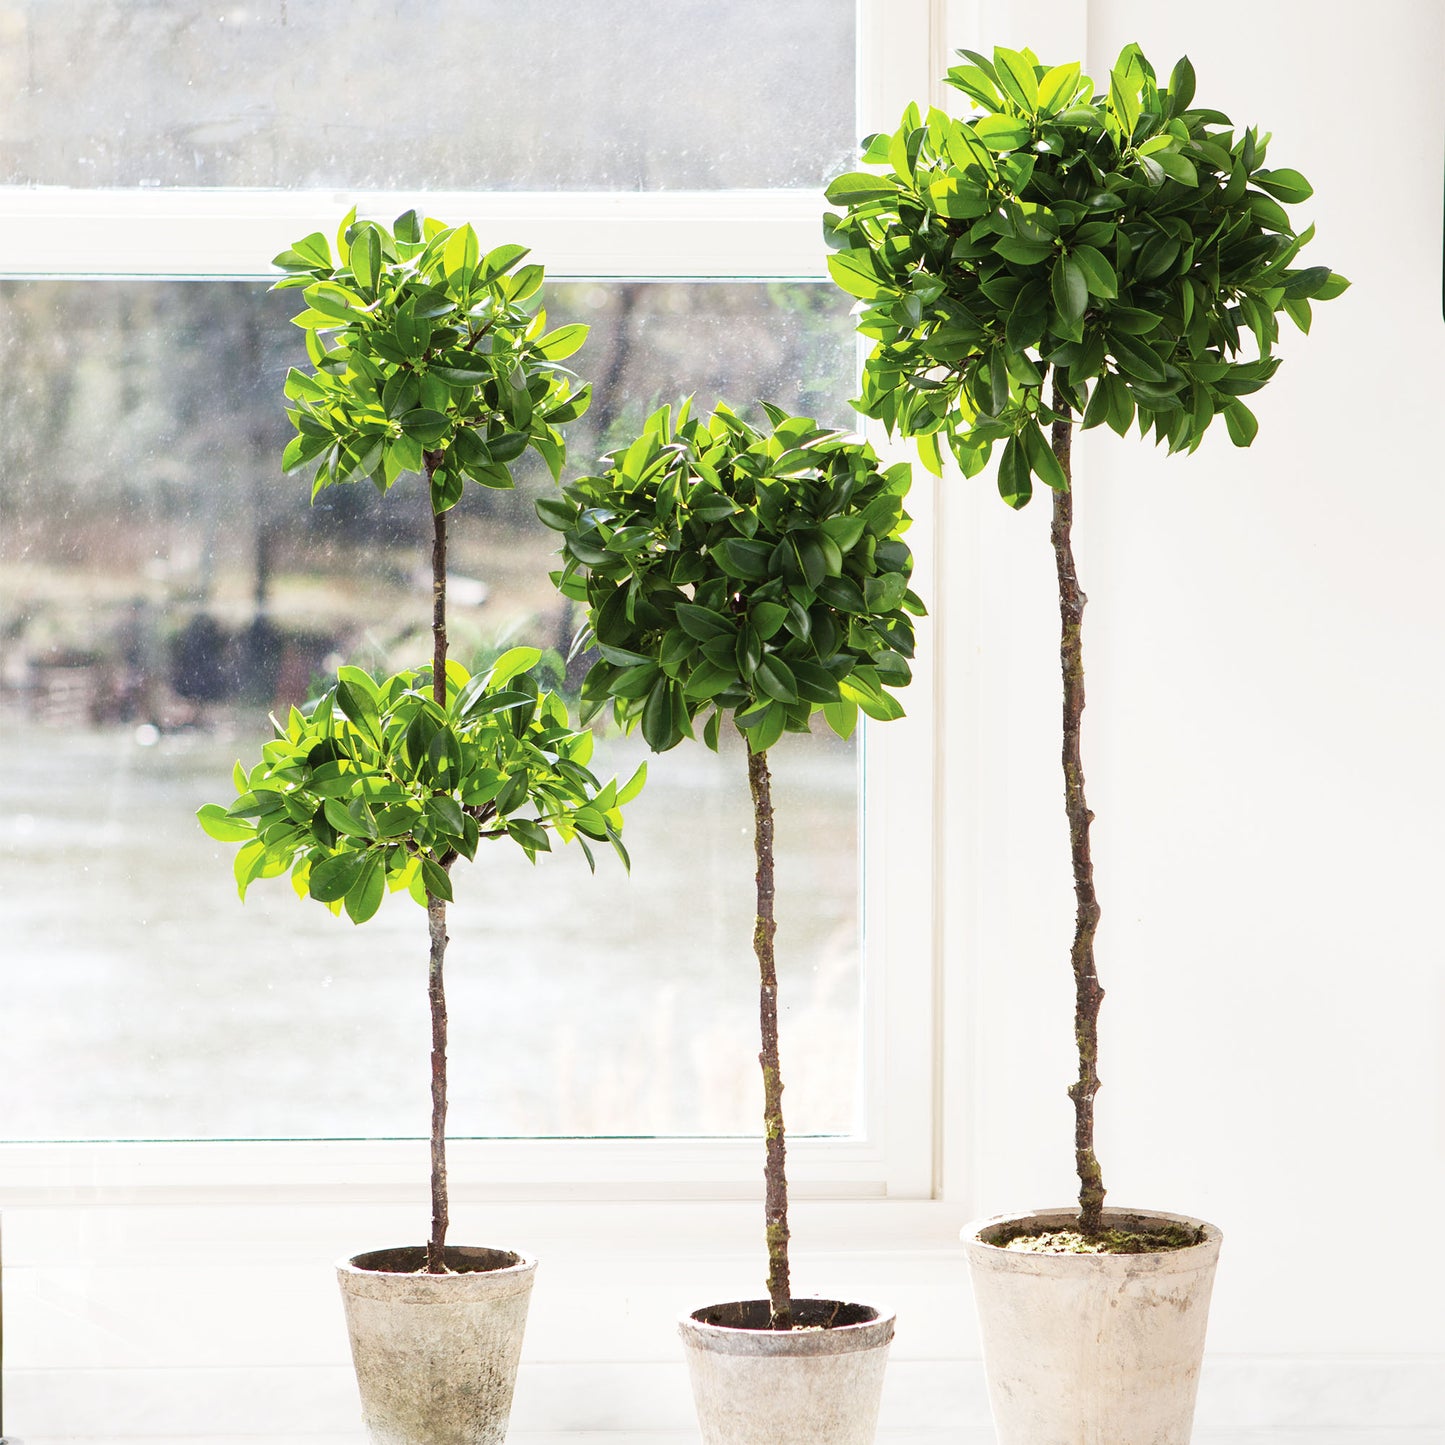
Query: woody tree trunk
1087, 994
436, 911
775, 1186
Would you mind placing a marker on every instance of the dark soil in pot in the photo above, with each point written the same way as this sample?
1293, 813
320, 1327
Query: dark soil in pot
808, 1314
458, 1258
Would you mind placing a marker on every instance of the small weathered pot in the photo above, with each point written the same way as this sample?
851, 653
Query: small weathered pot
1091, 1349
436, 1354
805, 1386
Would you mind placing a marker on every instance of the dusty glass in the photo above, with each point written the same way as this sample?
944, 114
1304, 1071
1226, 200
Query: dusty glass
162, 586
427, 94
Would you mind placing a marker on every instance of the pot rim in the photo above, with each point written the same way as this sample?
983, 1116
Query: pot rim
869, 1334
972, 1233
524, 1263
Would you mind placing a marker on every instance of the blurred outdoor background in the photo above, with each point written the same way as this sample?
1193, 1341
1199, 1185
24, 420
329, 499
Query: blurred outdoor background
162, 587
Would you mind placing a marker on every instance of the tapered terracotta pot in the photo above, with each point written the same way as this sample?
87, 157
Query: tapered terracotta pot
436, 1354
809, 1386
1091, 1349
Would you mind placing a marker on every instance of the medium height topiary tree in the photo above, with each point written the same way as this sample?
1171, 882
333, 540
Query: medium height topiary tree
763, 577
1056, 258
427, 360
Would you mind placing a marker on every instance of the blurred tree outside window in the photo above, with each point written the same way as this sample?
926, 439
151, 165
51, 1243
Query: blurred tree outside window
162, 587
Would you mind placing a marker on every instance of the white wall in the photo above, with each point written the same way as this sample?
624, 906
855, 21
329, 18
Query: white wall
1265, 649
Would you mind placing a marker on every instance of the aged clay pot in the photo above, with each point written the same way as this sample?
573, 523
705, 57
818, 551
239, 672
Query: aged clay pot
436, 1354
1091, 1349
809, 1386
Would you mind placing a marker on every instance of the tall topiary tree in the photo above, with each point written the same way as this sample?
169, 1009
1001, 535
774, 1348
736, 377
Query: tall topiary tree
1059, 258
729, 574
428, 360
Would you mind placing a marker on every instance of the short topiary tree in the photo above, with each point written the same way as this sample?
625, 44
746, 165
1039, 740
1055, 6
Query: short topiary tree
428, 360
728, 573
1058, 255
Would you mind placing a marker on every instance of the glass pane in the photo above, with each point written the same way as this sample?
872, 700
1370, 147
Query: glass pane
161, 586
426, 94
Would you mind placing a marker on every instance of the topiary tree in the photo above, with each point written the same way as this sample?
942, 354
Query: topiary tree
1056, 258
427, 360
727, 572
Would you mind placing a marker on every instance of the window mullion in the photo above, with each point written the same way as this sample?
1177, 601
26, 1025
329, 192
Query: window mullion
56, 232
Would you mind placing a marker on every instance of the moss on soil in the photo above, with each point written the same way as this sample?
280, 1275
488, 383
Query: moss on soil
1111, 1241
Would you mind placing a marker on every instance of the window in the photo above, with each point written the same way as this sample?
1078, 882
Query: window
160, 586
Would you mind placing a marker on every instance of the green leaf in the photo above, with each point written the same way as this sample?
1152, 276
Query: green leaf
1099, 275
313, 251
332, 877
425, 426
858, 187
436, 880
855, 273
1135, 359
446, 490
513, 662
702, 622
657, 718
496, 262
1023, 253
744, 559
1177, 167
563, 342
815, 684
1014, 485
1041, 459
1309, 282
364, 896
841, 716
247, 864
344, 821
1124, 101
1241, 422
774, 678
768, 727
1181, 84
460, 256
1057, 87
366, 259
1002, 132
928, 452
633, 786
530, 834
1016, 78
1070, 289
976, 83
360, 706
1284, 185
212, 817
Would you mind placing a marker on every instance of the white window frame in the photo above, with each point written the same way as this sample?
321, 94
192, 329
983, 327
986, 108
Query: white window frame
55, 232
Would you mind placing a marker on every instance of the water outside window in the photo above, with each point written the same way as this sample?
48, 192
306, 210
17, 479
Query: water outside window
162, 587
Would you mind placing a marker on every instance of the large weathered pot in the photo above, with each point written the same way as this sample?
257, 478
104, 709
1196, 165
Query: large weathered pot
815, 1385
1091, 1349
436, 1354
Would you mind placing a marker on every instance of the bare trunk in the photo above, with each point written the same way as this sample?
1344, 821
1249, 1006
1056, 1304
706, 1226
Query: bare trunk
438, 603
1087, 994
775, 1177
436, 911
